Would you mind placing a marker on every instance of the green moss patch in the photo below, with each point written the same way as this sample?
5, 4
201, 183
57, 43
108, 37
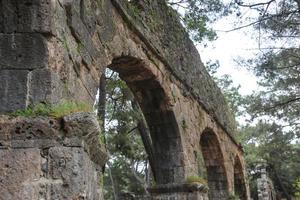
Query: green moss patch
56, 111
196, 179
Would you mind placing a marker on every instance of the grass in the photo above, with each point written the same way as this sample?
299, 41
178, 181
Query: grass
184, 125
57, 111
233, 197
196, 179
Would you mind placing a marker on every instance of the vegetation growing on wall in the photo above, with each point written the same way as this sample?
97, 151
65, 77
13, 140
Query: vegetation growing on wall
57, 111
196, 179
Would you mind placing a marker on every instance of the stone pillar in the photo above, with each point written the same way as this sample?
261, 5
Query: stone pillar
264, 184
25, 79
193, 191
35, 56
47, 159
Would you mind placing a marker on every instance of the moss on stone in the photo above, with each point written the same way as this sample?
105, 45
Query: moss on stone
233, 197
196, 179
184, 125
57, 111
80, 47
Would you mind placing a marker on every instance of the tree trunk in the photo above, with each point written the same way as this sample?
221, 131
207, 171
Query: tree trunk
138, 178
286, 194
112, 181
102, 100
146, 137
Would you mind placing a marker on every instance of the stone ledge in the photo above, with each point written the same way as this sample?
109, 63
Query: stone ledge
179, 188
75, 130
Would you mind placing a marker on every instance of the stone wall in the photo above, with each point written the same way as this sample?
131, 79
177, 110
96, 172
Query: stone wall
46, 158
160, 28
56, 50
26, 25
192, 191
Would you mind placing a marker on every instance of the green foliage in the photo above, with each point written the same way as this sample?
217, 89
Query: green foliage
276, 20
297, 188
198, 15
184, 125
57, 111
80, 47
129, 163
231, 91
196, 179
275, 138
233, 197
280, 82
269, 143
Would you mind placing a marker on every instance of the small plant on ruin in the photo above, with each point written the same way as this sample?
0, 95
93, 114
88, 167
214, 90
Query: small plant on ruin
196, 179
57, 111
184, 124
233, 197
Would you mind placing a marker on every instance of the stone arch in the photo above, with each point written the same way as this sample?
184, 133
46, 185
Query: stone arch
142, 78
240, 188
214, 162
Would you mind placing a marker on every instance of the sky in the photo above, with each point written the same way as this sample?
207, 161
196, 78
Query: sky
228, 47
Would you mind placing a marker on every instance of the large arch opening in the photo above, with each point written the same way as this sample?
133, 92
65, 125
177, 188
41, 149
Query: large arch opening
239, 180
214, 162
163, 146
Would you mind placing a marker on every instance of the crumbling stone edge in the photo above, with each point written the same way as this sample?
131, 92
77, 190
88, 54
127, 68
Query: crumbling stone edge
74, 130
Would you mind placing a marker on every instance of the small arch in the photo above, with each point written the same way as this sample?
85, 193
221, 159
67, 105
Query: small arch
167, 155
214, 162
240, 189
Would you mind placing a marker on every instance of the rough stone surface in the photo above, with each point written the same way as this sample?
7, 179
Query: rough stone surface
13, 90
192, 191
45, 87
22, 51
20, 170
25, 16
155, 21
78, 174
41, 159
64, 51
265, 188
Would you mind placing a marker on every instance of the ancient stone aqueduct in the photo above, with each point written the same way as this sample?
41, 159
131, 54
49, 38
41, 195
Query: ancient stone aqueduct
54, 50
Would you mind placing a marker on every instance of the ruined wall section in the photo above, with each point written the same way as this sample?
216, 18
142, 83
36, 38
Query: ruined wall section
161, 30
40, 60
47, 158
50, 50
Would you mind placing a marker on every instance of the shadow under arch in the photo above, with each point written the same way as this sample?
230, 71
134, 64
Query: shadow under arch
214, 162
240, 189
139, 75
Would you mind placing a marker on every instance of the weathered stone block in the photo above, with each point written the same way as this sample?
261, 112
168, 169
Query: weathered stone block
80, 32
13, 89
39, 160
192, 191
22, 128
25, 16
22, 51
45, 87
20, 169
78, 173
86, 126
